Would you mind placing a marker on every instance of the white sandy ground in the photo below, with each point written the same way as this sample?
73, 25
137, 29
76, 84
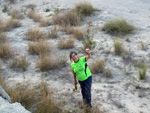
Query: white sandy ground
117, 94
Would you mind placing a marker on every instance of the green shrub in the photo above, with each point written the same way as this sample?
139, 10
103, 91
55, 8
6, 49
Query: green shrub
118, 26
5, 9
142, 72
47, 10
88, 41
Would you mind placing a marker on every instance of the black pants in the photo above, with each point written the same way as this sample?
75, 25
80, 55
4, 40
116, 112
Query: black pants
86, 90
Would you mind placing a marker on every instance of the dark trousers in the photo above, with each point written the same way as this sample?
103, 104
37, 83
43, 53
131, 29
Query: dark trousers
86, 90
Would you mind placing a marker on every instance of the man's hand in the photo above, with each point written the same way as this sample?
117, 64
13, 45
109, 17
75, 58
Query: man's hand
87, 51
89, 54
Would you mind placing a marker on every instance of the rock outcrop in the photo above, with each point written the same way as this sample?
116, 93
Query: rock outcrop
7, 107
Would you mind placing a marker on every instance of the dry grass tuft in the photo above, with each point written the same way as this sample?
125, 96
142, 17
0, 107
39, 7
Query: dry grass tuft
53, 33
118, 26
66, 44
70, 18
41, 47
9, 24
77, 33
84, 8
35, 34
20, 63
47, 62
45, 22
97, 66
5, 51
34, 15
3, 38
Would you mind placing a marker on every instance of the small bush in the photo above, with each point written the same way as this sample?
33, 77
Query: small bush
66, 44
67, 19
118, 47
84, 8
34, 15
51, 62
41, 47
97, 66
107, 72
88, 41
35, 34
118, 26
5, 51
5, 9
53, 33
15, 14
142, 72
19, 63
3, 38
47, 10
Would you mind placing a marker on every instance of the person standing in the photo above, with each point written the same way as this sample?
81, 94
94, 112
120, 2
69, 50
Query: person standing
82, 72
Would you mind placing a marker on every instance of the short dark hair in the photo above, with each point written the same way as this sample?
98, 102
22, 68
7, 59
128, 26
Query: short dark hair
72, 53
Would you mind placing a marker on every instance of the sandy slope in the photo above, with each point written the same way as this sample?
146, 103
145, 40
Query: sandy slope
117, 94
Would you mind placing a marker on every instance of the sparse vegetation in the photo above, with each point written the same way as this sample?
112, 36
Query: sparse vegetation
35, 34
107, 72
88, 41
3, 38
118, 26
47, 62
20, 63
67, 19
40, 47
53, 33
66, 44
15, 14
5, 51
84, 8
97, 66
142, 72
12, 1
118, 47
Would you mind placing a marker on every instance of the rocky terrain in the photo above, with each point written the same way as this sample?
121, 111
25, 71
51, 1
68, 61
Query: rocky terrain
123, 92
